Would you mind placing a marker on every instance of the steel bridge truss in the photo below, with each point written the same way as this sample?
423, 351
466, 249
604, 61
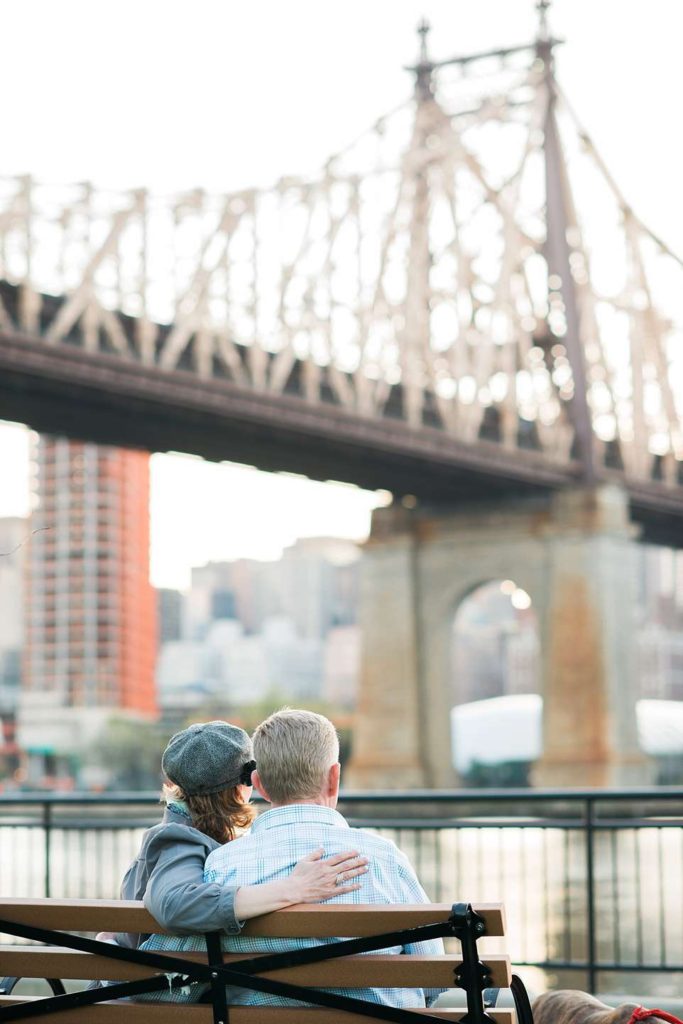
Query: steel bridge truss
468, 264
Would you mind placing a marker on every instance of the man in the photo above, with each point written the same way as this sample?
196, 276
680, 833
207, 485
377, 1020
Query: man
297, 758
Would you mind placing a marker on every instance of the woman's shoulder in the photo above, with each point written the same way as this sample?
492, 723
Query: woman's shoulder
173, 833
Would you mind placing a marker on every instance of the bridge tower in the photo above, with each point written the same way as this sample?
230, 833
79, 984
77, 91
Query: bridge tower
573, 551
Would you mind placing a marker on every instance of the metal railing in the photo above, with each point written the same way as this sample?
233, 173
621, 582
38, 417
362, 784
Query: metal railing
592, 880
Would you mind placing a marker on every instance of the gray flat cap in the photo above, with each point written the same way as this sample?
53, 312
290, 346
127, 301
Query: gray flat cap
208, 757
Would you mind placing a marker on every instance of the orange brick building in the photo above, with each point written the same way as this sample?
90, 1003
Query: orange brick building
90, 608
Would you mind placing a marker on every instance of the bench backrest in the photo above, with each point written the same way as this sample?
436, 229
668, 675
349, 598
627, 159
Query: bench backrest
363, 970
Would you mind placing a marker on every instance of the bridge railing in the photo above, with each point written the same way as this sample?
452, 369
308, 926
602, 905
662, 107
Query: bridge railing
592, 880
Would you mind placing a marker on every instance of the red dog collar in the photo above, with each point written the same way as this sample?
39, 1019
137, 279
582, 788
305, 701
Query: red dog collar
641, 1013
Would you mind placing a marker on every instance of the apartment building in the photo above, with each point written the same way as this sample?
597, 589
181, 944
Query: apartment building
90, 609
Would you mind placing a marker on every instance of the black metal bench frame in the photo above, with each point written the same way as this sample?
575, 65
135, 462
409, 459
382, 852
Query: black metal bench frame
463, 924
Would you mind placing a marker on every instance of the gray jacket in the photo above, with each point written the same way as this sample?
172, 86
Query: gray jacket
168, 874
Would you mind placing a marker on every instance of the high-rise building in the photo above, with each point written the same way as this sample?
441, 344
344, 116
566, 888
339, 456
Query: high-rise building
169, 615
90, 608
319, 580
315, 583
341, 666
13, 533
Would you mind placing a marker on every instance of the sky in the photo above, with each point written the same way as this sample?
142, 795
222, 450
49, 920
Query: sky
219, 94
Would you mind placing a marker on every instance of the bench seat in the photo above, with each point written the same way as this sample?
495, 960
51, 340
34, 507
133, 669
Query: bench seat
355, 971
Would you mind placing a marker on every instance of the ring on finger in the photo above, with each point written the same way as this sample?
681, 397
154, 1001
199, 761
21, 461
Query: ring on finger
339, 879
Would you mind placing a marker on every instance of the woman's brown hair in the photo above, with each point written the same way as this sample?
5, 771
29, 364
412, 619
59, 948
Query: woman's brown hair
222, 816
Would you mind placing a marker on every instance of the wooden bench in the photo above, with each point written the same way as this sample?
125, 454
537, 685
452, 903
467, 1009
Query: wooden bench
75, 957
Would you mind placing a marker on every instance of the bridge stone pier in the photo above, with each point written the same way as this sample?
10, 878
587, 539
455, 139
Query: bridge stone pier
573, 552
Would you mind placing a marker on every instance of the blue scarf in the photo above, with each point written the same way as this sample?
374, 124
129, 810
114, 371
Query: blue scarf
179, 807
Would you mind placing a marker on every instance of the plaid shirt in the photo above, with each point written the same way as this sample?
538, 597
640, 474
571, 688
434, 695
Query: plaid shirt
278, 839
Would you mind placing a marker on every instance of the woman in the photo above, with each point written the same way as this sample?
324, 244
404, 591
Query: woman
208, 767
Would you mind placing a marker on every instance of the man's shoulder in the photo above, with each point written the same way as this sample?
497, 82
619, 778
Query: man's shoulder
364, 841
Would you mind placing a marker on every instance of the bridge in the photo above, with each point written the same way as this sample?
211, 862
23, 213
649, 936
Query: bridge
461, 308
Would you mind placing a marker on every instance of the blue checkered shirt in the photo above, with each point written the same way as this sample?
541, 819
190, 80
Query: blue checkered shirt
278, 839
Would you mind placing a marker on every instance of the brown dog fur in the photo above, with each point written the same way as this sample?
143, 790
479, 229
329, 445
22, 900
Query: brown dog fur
567, 1006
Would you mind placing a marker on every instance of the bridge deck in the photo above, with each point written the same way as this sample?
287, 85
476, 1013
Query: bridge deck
111, 400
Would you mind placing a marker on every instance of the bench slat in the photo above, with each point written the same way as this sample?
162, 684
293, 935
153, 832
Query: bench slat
158, 1013
347, 919
80, 915
303, 921
367, 971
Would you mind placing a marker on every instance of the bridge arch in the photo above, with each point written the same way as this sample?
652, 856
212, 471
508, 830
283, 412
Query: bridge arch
451, 569
494, 643
495, 679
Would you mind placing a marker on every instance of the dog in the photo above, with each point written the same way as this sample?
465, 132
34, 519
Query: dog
567, 1006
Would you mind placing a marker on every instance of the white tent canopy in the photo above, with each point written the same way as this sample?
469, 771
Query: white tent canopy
511, 729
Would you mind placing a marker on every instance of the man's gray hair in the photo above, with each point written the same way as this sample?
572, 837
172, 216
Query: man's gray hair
294, 752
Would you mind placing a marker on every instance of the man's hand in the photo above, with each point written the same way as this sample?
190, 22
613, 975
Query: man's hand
314, 880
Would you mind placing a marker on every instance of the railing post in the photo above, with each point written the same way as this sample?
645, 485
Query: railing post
590, 894
47, 825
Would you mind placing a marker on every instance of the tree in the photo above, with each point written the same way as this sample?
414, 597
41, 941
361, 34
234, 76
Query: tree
130, 750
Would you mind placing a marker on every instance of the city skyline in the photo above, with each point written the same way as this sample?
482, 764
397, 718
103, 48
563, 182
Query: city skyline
248, 632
